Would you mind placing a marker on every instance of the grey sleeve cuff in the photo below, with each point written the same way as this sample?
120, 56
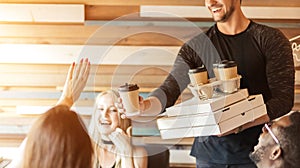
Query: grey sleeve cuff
162, 97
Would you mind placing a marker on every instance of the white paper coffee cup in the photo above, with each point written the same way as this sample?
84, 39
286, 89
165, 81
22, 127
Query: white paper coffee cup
129, 94
230, 85
225, 70
198, 76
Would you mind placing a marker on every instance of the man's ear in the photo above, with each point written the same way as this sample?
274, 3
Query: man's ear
275, 153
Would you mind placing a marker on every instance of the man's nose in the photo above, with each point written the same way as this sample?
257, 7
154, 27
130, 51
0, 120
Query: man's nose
210, 2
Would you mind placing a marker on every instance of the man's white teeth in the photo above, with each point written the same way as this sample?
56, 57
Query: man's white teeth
215, 9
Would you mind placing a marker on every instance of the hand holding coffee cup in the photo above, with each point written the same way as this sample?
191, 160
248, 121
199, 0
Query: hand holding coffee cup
129, 94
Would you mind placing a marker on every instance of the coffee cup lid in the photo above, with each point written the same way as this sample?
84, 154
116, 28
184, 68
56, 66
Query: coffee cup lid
225, 64
198, 69
128, 87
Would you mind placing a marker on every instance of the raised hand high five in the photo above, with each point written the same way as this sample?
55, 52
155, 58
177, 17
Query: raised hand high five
75, 82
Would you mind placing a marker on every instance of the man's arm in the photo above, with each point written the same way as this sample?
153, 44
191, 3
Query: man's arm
177, 80
280, 75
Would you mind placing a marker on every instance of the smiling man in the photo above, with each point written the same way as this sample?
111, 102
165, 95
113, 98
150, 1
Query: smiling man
278, 145
264, 60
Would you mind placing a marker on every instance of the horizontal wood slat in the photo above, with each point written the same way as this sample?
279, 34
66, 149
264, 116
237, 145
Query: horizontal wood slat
11, 140
35, 102
192, 13
58, 80
18, 125
103, 12
66, 54
34, 75
51, 13
274, 3
105, 35
109, 10
283, 13
100, 35
95, 69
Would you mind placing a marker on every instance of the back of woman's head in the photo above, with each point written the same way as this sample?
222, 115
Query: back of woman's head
58, 139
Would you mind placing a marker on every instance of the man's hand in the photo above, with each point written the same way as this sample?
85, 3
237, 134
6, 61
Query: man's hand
123, 110
75, 82
150, 106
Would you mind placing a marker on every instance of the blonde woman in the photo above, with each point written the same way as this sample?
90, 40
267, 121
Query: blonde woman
112, 145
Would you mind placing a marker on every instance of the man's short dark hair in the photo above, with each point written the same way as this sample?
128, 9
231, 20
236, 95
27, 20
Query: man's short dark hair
289, 141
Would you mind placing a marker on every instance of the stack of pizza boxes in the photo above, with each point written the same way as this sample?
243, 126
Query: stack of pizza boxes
216, 108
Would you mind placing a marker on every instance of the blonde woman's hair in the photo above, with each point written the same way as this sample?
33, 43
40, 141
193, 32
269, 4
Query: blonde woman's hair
96, 135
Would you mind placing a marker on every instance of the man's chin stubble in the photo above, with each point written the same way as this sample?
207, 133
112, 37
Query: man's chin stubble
257, 155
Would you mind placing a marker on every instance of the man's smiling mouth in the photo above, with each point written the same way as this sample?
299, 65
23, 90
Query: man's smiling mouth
215, 10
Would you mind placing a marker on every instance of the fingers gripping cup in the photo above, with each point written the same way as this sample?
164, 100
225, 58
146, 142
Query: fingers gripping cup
198, 76
129, 94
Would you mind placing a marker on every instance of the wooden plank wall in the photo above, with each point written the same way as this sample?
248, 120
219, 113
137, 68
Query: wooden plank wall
22, 84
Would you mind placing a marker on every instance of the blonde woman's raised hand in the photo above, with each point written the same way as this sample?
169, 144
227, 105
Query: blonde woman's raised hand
75, 82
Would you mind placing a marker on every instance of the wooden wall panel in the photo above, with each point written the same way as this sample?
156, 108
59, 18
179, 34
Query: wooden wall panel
101, 77
201, 12
97, 54
108, 10
47, 13
291, 32
103, 12
261, 13
107, 35
50, 78
157, 2
271, 3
